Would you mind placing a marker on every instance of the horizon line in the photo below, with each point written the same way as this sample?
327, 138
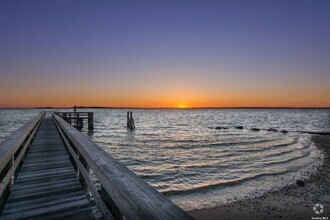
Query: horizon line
123, 107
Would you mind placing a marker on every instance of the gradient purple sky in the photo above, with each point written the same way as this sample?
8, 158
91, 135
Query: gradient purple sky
165, 53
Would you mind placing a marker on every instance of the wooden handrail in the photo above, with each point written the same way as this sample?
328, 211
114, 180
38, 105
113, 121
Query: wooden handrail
121, 190
12, 153
71, 113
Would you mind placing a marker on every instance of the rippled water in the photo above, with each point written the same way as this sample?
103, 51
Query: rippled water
181, 154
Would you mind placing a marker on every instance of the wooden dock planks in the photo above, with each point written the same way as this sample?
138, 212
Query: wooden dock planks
47, 186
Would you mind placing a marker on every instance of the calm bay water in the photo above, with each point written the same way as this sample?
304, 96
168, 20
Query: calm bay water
181, 154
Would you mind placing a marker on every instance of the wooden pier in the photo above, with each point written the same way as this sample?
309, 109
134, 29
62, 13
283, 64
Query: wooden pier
45, 173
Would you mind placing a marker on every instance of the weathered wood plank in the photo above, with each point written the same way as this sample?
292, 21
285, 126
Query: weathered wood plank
45, 204
37, 185
49, 210
40, 201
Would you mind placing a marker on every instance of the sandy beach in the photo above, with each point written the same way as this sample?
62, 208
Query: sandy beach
291, 202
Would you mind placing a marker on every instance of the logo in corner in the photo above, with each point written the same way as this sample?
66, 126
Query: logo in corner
318, 208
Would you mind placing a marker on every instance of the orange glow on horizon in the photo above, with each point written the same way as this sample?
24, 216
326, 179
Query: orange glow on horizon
182, 105
161, 94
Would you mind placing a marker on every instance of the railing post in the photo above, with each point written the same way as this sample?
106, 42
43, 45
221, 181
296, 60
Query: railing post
74, 164
18, 168
111, 205
81, 177
7, 190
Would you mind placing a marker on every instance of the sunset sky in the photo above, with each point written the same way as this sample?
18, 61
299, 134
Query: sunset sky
165, 53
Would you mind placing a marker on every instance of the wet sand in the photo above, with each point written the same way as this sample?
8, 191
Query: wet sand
291, 202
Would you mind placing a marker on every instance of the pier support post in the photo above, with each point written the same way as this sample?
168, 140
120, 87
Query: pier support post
90, 121
79, 121
64, 117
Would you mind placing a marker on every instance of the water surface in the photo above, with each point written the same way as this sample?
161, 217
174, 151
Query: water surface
182, 155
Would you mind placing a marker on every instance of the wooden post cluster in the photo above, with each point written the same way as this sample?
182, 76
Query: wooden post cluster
76, 119
130, 121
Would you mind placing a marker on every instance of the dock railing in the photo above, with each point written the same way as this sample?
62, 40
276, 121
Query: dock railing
122, 195
13, 151
77, 119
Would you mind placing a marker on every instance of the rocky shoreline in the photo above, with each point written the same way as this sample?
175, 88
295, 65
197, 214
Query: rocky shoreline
291, 202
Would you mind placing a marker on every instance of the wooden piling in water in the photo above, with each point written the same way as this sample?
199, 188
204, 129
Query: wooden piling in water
130, 121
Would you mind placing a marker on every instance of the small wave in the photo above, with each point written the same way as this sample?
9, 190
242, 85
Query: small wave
280, 153
277, 162
187, 141
183, 124
240, 142
149, 176
266, 148
205, 188
231, 163
304, 147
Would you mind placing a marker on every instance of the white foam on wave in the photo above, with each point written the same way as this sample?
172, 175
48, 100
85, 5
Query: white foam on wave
301, 168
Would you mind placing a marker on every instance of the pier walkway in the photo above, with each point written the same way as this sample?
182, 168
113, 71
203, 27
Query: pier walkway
45, 172
47, 185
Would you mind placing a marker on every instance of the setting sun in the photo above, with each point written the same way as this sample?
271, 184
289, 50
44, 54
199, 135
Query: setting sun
182, 105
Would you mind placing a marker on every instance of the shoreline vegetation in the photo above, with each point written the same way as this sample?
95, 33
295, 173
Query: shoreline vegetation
291, 202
